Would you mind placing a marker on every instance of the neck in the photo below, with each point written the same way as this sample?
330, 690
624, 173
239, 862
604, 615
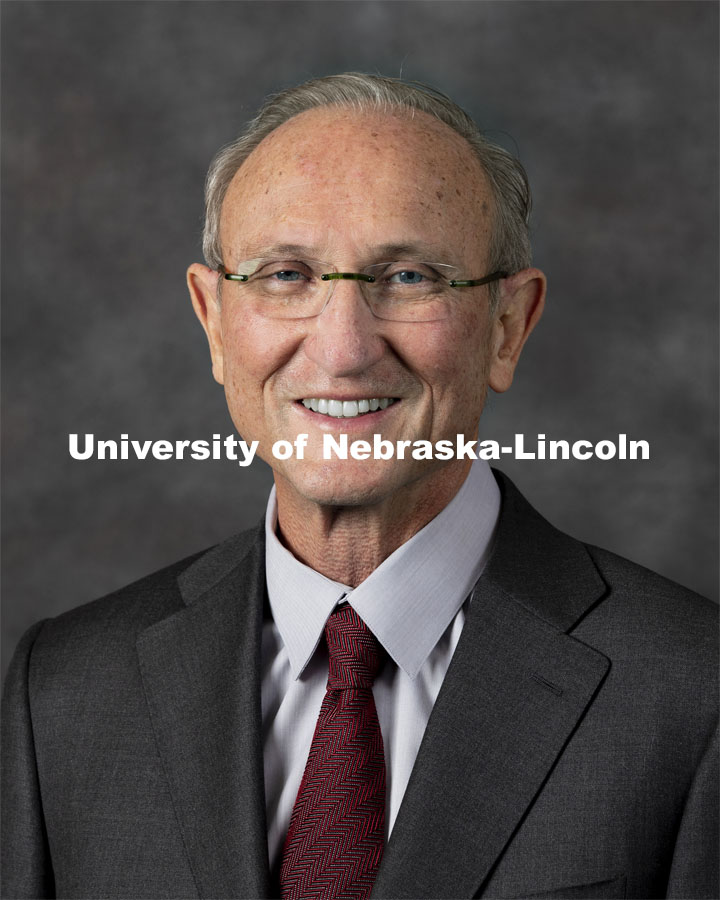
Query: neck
347, 543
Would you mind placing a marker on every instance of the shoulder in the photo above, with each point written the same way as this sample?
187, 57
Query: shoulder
624, 610
645, 611
645, 587
100, 636
660, 696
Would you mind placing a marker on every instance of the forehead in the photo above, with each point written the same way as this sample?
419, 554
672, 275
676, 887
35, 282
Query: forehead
340, 175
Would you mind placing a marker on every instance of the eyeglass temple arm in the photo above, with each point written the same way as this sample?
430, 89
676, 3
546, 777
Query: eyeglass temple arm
476, 282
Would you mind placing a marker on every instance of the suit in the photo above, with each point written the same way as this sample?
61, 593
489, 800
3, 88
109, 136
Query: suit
570, 752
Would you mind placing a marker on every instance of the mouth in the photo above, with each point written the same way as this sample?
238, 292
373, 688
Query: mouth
347, 409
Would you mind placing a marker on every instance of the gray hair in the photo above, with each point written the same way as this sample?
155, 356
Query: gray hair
510, 243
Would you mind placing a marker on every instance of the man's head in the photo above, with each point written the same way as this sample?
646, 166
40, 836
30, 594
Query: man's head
357, 184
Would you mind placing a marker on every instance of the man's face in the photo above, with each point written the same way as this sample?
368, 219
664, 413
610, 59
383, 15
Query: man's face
343, 187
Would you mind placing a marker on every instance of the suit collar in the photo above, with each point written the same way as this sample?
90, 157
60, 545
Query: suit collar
212, 567
545, 570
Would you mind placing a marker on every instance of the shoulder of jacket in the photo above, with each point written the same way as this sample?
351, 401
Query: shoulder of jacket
108, 628
664, 618
625, 575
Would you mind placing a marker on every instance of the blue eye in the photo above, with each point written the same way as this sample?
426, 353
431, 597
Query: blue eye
407, 276
283, 271
288, 275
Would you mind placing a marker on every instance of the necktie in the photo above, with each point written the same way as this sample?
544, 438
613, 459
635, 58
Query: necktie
335, 840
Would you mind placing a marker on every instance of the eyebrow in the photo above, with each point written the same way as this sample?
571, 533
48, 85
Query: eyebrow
280, 250
418, 250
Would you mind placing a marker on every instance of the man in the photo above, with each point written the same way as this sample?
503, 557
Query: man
508, 713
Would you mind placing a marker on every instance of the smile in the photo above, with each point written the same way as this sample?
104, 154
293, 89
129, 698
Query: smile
346, 409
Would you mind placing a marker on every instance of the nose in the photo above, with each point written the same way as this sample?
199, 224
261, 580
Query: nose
345, 338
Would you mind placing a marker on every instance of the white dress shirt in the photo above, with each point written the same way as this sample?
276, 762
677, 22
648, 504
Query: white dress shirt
413, 603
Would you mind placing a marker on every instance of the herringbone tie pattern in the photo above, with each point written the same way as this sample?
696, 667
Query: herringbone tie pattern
335, 840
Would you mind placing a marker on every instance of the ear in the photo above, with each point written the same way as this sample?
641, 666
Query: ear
203, 286
520, 306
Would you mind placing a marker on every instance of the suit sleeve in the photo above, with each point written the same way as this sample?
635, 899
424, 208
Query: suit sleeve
694, 871
26, 864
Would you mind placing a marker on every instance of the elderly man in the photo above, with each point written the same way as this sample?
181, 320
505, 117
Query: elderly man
404, 683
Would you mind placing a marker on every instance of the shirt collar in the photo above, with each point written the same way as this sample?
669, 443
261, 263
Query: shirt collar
410, 599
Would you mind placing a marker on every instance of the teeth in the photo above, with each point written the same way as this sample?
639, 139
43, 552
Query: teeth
346, 409
349, 408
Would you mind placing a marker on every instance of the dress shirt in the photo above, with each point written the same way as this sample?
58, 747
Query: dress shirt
413, 603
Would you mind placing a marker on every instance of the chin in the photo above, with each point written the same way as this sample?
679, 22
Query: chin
347, 482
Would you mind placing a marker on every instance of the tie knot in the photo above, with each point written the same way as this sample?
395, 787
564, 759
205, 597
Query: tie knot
355, 653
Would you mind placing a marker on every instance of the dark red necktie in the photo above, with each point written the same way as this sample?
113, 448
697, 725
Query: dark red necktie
335, 840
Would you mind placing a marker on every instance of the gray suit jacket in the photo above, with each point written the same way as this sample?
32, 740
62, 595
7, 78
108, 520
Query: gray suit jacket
569, 753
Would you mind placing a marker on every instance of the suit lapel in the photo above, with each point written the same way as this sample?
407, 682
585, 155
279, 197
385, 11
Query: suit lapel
201, 673
516, 689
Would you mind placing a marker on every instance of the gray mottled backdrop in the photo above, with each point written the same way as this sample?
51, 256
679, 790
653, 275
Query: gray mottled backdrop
111, 113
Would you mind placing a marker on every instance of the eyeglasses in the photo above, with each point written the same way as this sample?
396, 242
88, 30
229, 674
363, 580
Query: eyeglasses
400, 291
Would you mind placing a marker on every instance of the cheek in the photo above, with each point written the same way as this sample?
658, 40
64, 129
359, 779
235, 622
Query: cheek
255, 351
454, 356
253, 348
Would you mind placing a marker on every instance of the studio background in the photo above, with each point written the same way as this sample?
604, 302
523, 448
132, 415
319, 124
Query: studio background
111, 113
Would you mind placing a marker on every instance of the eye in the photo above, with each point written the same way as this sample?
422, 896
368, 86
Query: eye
284, 271
411, 274
407, 276
288, 275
